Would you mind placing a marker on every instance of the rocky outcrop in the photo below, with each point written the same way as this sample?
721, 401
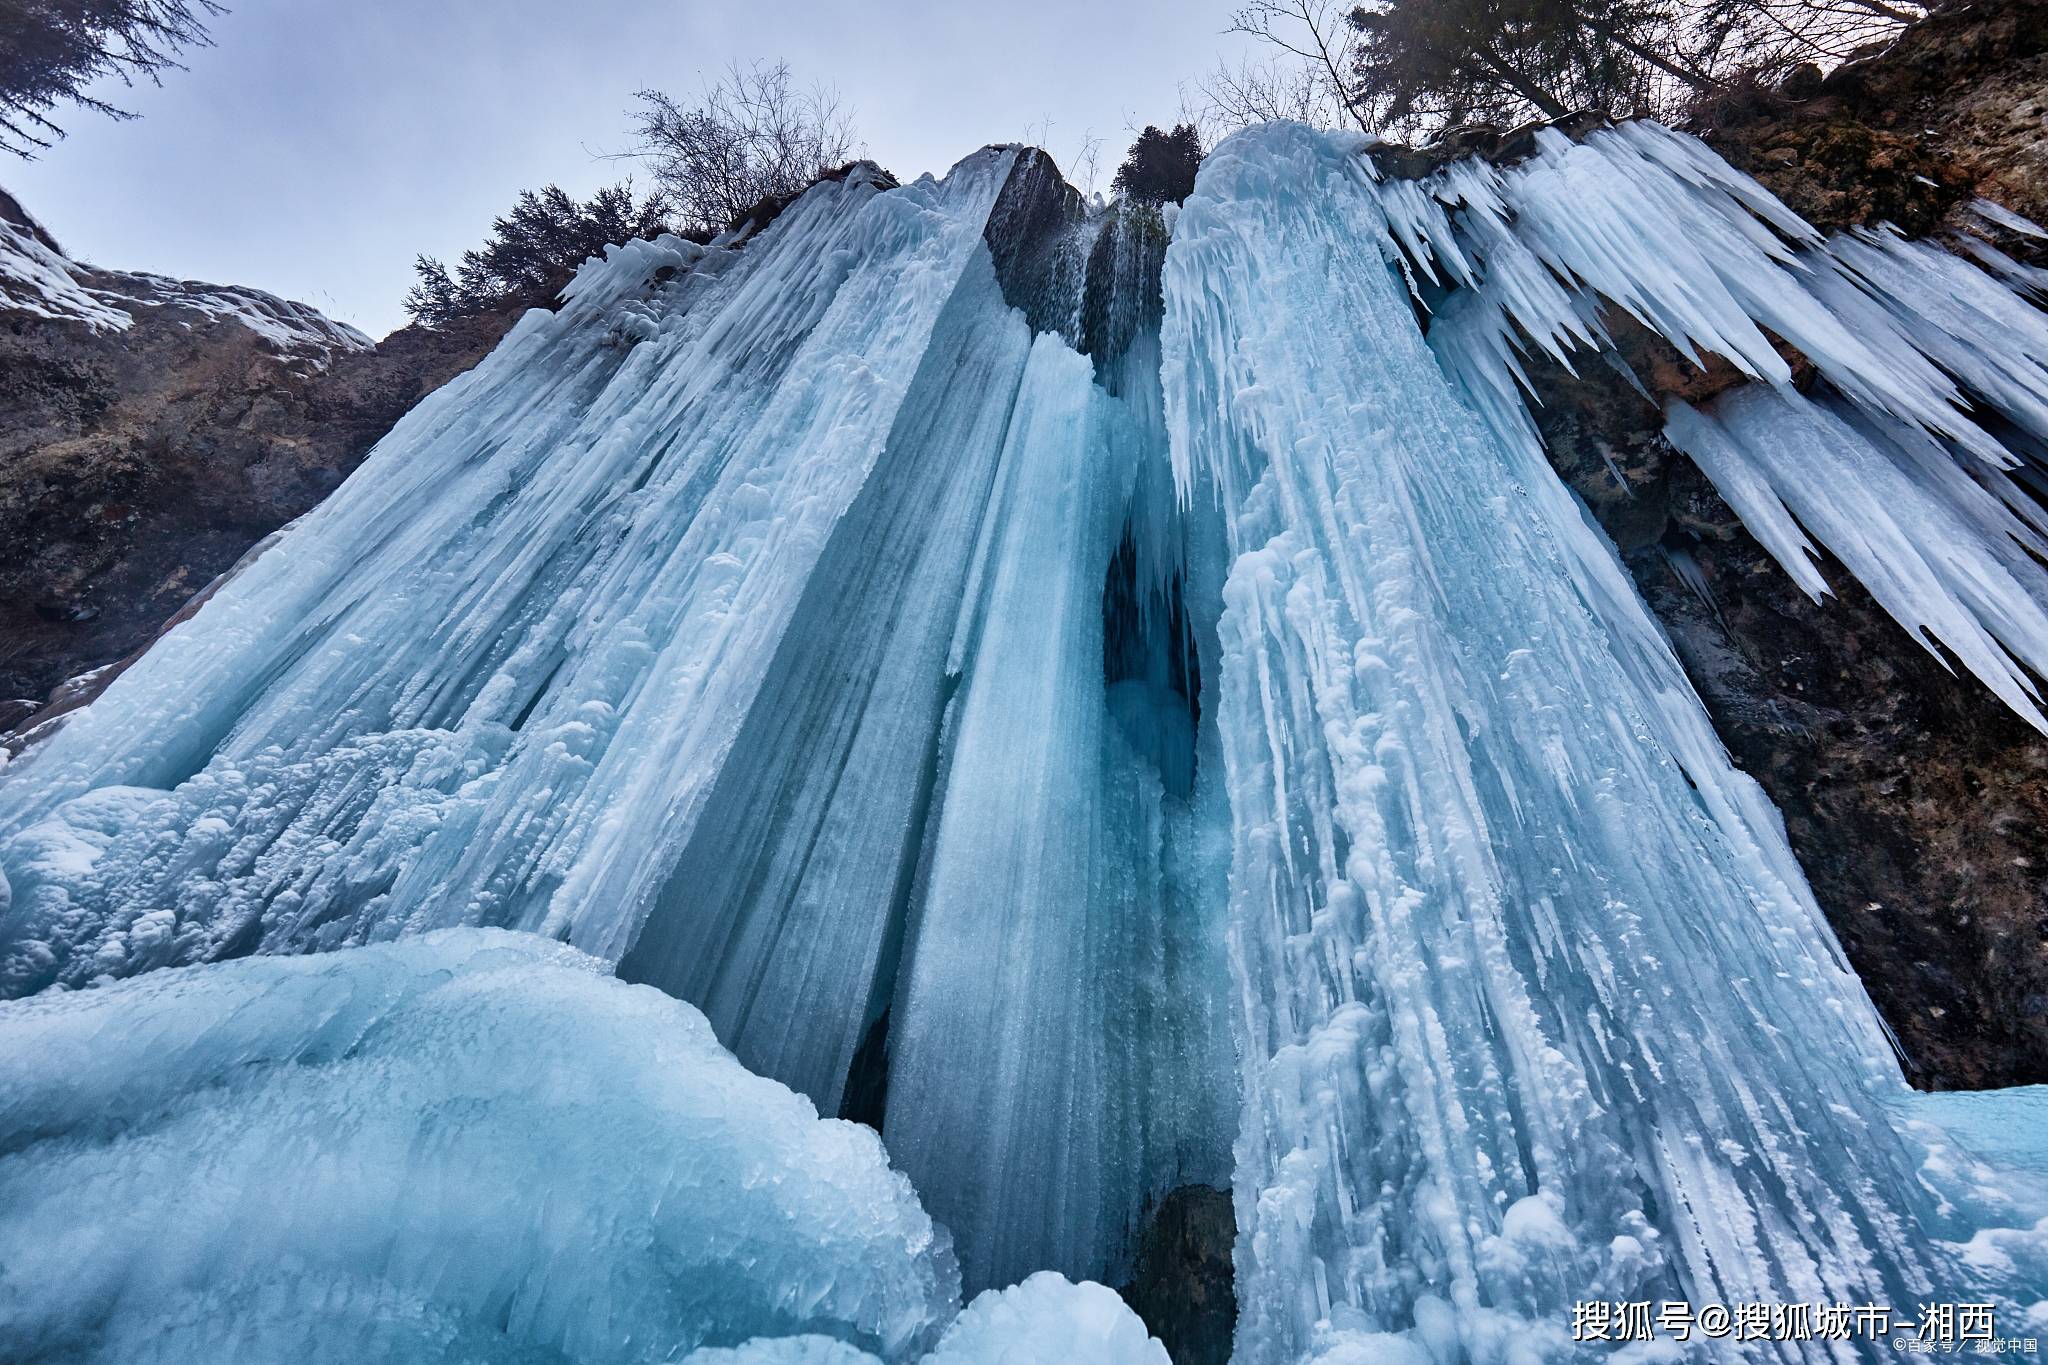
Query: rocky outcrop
1955, 108
138, 461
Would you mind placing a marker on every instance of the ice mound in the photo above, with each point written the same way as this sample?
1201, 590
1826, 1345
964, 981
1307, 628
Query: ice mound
1047, 1320
471, 1146
808, 1349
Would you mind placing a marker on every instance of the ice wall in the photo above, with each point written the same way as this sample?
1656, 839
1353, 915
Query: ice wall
742, 623
491, 679
1537, 1007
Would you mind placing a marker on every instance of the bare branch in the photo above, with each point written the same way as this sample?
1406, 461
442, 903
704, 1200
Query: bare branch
750, 136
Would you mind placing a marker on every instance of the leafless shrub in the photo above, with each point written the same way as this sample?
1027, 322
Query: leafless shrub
751, 135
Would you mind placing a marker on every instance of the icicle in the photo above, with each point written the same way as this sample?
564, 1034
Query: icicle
1926, 347
1937, 551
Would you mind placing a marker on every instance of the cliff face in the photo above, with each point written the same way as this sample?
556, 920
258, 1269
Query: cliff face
141, 459
1955, 108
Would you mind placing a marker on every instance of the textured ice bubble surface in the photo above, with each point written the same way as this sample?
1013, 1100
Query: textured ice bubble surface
472, 1146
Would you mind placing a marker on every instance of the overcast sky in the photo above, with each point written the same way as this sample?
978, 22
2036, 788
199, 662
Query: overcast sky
322, 143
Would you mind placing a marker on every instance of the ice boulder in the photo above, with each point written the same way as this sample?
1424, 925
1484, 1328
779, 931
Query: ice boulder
472, 1145
1048, 1320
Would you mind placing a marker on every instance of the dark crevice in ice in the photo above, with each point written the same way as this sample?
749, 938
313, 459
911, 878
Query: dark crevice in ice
1151, 668
1183, 1283
866, 1097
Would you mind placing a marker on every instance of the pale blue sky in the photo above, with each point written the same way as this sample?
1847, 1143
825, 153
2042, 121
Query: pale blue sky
321, 143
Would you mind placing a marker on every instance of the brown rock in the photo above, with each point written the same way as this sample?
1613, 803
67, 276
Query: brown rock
137, 466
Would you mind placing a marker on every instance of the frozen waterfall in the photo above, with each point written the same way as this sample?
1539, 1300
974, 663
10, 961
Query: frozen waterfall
1098, 696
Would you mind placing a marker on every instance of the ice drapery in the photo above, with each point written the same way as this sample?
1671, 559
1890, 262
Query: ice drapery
1942, 364
1074, 722
742, 623
1537, 1005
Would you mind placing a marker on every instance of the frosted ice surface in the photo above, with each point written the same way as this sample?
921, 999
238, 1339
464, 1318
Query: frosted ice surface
804, 1350
1046, 1319
471, 1146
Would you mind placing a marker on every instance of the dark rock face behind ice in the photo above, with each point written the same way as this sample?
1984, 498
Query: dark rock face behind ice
1182, 1286
137, 463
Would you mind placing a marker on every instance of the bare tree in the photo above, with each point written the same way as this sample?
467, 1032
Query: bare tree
750, 136
1310, 78
1085, 170
1256, 91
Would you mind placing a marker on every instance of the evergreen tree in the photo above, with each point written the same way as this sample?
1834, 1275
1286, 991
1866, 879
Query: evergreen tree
1161, 166
532, 251
1430, 63
50, 50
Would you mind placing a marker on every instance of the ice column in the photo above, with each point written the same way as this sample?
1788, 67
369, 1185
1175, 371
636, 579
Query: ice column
1030, 1069
1536, 1006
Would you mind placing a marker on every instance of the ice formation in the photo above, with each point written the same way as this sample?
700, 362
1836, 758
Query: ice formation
741, 623
1941, 367
472, 1146
1118, 713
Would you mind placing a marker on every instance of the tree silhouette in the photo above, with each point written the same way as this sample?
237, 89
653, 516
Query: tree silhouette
50, 50
1161, 166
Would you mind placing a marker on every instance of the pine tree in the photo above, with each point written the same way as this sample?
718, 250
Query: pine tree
1161, 166
533, 250
50, 50
1430, 63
